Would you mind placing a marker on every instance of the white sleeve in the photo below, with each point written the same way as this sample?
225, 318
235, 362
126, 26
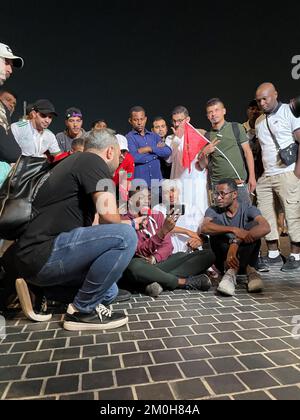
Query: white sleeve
53, 146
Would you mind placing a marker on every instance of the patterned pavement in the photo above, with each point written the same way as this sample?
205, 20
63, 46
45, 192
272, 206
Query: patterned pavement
181, 346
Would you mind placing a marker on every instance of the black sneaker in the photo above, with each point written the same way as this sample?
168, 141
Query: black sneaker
291, 265
123, 296
100, 319
262, 266
274, 262
44, 306
201, 282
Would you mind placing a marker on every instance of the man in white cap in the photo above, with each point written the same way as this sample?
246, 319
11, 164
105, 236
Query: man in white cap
9, 148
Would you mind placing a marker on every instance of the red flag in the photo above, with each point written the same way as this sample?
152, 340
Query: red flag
193, 143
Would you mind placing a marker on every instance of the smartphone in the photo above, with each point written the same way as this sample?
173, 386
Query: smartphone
177, 209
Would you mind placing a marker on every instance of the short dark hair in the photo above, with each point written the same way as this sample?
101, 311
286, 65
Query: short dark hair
214, 101
230, 182
98, 121
253, 103
159, 118
11, 92
136, 109
180, 110
80, 141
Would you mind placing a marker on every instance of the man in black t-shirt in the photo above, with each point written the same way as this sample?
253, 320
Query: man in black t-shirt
60, 247
235, 230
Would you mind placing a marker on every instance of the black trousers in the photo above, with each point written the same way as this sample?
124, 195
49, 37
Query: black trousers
247, 253
181, 265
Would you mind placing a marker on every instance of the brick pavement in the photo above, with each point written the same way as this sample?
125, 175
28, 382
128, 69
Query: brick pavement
184, 345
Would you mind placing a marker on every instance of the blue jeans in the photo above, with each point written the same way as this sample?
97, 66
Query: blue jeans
92, 258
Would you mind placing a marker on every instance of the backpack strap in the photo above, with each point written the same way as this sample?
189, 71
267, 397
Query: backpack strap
237, 135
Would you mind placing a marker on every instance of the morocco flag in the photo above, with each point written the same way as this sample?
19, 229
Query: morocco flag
193, 143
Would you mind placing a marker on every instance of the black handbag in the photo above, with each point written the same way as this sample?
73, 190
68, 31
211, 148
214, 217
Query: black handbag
17, 194
288, 155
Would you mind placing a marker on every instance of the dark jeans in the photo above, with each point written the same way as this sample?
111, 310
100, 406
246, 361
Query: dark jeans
247, 253
181, 265
91, 258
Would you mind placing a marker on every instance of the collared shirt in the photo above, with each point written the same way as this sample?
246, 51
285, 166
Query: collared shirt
283, 124
32, 142
147, 166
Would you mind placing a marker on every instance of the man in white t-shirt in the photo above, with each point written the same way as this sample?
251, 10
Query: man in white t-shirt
33, 135
278, 179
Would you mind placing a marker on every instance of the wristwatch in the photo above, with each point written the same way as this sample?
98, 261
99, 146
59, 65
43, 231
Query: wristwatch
234, 241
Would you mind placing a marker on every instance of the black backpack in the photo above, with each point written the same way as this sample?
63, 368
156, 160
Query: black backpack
18, 192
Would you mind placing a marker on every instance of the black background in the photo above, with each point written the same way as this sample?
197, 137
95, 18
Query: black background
106, 56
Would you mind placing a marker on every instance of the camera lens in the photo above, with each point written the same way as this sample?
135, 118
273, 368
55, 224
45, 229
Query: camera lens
295, 106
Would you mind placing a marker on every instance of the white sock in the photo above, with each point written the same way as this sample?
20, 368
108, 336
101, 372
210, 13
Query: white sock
274, 254
296, 256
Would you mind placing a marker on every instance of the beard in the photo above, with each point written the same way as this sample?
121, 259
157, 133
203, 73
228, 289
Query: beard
112, 166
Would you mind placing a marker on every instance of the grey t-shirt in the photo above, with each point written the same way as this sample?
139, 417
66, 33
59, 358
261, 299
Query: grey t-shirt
243, 219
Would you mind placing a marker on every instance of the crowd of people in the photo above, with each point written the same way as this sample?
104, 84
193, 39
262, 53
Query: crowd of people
124, 209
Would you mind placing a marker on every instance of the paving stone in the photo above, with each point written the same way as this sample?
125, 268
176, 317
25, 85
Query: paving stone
131, 376
257, 379
166, 356
286, 375
226, 365
255, 361
42, 370
291, 393
252, 396
74, 366
120, 348
164, 372
106, 363
137, 359
154, 392
11, 373
225, 384
189, 389
283, 358
198, 368
118, 394
24, 389
62, 384
97, 381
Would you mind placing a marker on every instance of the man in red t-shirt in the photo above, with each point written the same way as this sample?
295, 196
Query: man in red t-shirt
125, 172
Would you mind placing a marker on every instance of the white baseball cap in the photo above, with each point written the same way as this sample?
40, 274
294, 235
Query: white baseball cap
6, 52
123, 143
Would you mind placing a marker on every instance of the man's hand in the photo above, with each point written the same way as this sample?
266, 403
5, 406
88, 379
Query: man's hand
179, 131
252, 184
240, 234
211, 148
145, 150
232, 259
194, 243
249, 239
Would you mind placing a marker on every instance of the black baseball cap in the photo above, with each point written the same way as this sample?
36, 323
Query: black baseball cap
73, 112
44, 106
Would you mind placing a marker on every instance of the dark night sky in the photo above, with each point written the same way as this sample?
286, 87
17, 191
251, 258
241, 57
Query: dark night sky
106, 56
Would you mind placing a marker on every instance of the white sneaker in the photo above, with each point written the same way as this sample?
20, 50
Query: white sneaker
26, 303
228, 283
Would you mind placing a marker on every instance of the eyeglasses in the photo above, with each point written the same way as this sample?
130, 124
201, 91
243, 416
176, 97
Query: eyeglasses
222, 193
178, 121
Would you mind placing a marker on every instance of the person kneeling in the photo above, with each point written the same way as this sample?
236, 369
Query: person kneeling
235, 232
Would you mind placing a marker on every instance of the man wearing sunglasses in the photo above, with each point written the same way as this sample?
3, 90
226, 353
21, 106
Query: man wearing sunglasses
33, 135
235, 231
